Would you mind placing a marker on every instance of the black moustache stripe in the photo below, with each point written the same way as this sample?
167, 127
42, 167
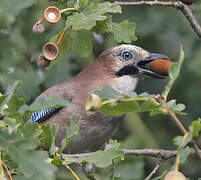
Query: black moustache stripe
127, 70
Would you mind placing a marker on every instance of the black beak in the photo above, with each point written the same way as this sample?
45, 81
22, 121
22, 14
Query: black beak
142, 69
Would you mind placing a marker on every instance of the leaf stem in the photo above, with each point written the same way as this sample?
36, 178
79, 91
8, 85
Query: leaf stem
61, 37
67, 9
177, 122
74, 174
177, 162
1, 163
125, 100
40, 21
9, 173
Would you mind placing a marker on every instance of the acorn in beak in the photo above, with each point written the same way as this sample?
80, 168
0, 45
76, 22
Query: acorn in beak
156, 66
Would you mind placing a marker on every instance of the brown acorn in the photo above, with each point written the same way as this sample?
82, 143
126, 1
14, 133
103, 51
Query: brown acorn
174, 175
52, 14
50, 51
42, 62
160, 66
38, 28
187, 2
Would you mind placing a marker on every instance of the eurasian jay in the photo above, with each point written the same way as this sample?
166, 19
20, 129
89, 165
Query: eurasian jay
119, 68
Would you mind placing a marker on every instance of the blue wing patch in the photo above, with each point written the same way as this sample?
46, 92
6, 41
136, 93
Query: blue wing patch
36, 116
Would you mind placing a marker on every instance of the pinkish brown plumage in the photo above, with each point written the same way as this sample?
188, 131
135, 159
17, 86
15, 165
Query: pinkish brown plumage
119, 68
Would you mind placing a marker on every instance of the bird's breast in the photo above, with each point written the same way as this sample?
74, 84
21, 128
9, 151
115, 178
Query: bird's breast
125, 84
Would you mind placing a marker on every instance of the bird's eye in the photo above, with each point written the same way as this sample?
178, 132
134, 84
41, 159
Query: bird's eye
127, 55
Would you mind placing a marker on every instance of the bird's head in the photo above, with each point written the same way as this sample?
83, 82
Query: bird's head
119, 67
131, 60
126, 63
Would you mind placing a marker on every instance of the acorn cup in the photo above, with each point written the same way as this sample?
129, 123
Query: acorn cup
50, 50
52, 14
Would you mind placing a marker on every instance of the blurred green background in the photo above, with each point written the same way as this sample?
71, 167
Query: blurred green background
158, 29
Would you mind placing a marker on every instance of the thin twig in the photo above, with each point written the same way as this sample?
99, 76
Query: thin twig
177, 122
186, 11
9, 173
197, 150
157, 153
158, 165
182, 128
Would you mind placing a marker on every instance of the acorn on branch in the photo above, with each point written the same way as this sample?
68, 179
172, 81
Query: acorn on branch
174, 175
38, 28
42, 62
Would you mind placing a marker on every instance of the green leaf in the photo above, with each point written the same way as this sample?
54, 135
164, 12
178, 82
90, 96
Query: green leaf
57, 161
185, 154
149, 105
19, 5
175, 107
4, 99
101, 27
195, 127
113, 144
101, 159
107, 92
181, 142
14, 103
82, 42
65, 45
157, 111
161, 176
119, 108
22, 177
45, 103
48, 137
145, 95
30, 130
10, 124
174, 74
132, 169
70, 132
82, 21
88, 17
2, 102
124, 31
21, 150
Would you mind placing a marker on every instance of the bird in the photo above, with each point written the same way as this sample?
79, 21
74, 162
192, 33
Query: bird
119, 68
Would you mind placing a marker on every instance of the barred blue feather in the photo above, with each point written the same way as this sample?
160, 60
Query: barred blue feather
36, 116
